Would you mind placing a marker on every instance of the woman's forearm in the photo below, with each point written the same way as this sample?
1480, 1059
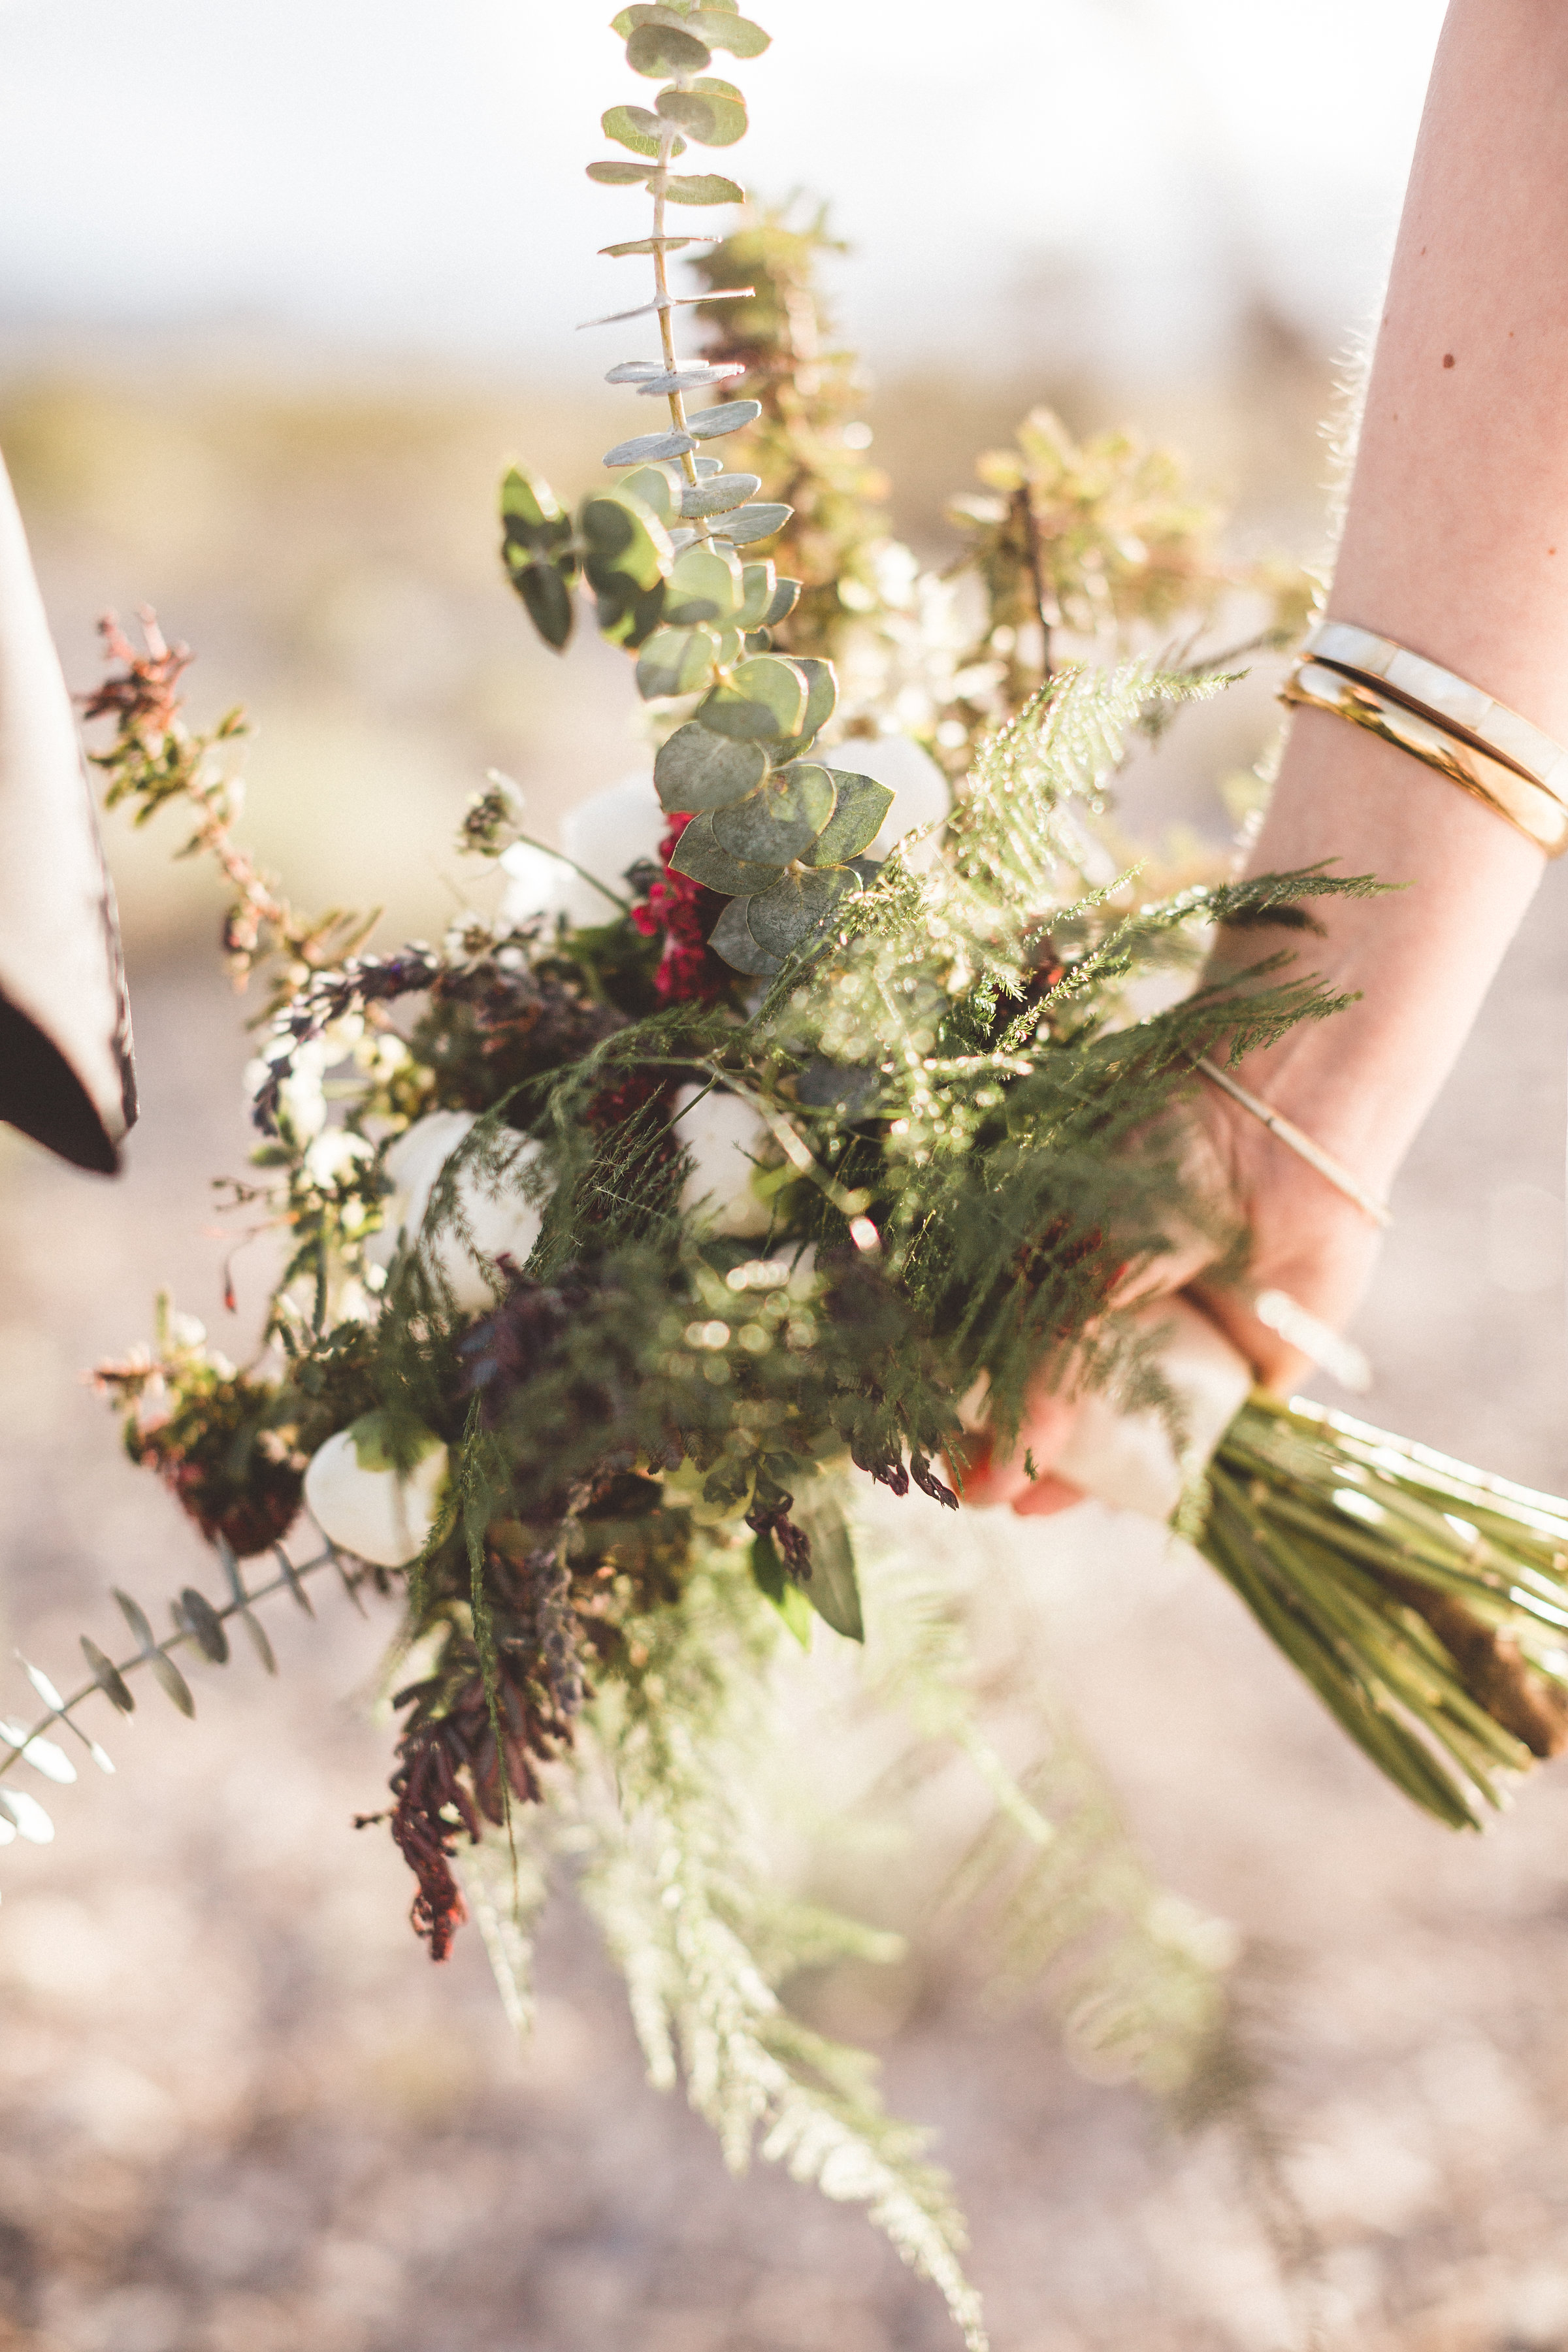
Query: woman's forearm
1456, 544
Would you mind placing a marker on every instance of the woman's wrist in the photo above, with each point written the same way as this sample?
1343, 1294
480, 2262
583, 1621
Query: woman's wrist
1416, 959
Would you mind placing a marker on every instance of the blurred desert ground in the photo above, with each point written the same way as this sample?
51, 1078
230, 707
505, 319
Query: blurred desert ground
240, 2112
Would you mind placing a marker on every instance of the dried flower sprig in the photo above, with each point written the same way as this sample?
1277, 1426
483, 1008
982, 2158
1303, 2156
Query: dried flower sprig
155, 761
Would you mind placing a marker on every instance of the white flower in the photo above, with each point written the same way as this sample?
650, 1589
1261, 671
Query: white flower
603, 835
920, 790
335, 1153
359, 1498
302, 1103
490, 1210
723, 1136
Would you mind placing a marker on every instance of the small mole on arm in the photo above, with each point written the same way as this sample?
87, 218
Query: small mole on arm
1447, 359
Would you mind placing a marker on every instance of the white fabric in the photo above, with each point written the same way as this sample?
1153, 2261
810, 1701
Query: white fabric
1127, 1459
59, 951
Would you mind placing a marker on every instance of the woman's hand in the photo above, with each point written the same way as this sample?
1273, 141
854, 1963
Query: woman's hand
1307, 1240
1456, 544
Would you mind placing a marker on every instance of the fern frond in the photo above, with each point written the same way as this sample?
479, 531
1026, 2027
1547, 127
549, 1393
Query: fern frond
676, 1874
505, 1882
1134, 1975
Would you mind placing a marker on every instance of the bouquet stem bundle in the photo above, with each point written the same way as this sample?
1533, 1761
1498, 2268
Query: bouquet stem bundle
1425, 1602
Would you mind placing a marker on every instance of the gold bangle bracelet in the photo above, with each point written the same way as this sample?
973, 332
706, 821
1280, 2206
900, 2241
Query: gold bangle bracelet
1461, 709
1526, 803
1287, 1132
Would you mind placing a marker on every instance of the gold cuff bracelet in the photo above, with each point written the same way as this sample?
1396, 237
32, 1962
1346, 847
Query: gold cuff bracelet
1520, 797
1437, 694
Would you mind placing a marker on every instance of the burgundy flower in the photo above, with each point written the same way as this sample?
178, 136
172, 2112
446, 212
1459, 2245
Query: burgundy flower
684, 913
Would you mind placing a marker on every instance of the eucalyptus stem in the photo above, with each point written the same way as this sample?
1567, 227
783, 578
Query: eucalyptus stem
665, 330
195, 1625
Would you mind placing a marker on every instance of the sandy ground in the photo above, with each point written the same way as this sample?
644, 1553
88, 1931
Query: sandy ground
240, 2112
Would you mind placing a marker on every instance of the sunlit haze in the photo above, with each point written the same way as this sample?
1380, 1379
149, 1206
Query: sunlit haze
387, 173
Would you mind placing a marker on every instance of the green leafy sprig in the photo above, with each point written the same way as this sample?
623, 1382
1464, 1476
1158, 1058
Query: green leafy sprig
775, 831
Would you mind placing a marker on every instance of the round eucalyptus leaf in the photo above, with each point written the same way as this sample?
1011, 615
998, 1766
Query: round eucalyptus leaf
633, 371
258, 1640
822, 698
705, 585
678, 661
736, 34
197, 1613
647, 448
696, 770
623, 535
748, 524
761, 581
658, 487
614, 174
862, 803
786, 597
650, 244
782, 819
135, 1617
718, 495
707, 467
656, 51
691, 378
705, 116
634, 127
729, 416
731, 937
547, 601
702, 188
765, 699
628, 615
171, 1681
797, 905
699, 857
108, 1677
533, 515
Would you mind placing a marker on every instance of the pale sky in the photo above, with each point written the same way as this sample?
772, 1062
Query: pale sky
409, 174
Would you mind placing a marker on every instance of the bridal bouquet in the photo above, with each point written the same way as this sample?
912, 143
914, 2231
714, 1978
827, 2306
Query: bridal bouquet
809, 1098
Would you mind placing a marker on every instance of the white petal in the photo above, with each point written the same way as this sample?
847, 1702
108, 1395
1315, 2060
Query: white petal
498, 1219
540, 884
374, 1514
922, 794
611, 831
723, 1136
602, 835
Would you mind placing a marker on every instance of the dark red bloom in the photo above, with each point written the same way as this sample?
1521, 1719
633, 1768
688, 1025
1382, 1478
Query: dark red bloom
684, 913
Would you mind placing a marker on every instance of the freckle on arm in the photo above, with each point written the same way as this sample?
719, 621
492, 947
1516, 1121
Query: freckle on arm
1447, 359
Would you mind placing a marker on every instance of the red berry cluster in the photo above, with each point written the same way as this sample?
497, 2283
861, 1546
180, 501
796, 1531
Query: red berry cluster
689, 970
